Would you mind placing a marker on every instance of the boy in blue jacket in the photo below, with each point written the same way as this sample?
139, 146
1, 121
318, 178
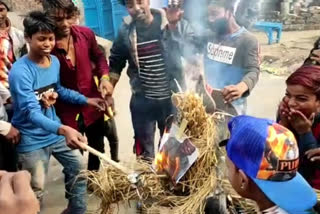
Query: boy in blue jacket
34, 84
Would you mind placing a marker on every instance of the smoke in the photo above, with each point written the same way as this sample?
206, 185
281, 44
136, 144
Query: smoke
194, 72
235, 7
246, 13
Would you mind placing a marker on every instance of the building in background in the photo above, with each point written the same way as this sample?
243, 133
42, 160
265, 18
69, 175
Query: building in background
105, 16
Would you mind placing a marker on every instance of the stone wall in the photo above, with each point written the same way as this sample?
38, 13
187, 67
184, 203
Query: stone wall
23, 6
294, 14
28, 5
307, 19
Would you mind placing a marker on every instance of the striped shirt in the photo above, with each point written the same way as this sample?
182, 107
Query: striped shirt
153, 74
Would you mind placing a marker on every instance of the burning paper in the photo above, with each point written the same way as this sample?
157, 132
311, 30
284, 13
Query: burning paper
176, 154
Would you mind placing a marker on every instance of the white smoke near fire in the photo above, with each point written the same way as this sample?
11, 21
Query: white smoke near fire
246, 13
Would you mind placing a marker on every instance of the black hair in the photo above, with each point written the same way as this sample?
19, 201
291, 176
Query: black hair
38, 21
246, 12
4, 4
66, 5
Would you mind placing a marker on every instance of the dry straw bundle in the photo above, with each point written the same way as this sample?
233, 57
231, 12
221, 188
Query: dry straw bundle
113, 186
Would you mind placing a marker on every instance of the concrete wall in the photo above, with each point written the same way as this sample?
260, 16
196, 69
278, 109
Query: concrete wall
28, 5
23, 6
294, 14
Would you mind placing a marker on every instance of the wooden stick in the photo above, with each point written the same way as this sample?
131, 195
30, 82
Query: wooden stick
113, 163
110, 112
108, 160
183, 127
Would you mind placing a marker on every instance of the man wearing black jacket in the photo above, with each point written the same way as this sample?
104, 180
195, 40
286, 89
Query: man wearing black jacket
152, 42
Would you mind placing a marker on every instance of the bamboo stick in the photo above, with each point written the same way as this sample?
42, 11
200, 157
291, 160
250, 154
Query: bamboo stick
108, 160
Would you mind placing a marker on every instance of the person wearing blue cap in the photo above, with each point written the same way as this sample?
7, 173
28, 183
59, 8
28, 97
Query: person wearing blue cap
262, 162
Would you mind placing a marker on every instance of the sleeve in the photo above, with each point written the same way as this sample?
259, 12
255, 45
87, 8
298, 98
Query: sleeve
4, 93
185, 37
98, 57
21, 82
4, 128
181, 42
190, 44
306, 142
251, 64
118, 56
68, 95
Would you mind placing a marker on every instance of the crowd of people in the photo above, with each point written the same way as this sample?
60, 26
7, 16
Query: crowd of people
56, 91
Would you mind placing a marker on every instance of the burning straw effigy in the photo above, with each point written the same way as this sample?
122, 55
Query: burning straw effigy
154, 190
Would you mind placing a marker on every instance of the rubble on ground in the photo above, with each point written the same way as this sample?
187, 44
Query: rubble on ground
306, 19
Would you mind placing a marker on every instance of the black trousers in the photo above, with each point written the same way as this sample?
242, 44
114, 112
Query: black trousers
95, 134
8, 161
146, 114
111, 132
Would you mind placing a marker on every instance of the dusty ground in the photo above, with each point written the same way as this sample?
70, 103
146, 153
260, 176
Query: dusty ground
287, 55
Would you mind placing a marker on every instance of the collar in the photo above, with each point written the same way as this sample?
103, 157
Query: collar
236, 34
164, 21
73, 33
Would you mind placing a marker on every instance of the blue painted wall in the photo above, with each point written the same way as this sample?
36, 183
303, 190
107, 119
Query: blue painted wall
104, 17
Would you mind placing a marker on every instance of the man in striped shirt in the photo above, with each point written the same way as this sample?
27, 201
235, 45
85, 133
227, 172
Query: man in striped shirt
152, 42
153, 74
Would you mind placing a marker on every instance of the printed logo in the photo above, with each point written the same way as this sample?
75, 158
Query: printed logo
288, 165
40, 92
221, 53
281, 155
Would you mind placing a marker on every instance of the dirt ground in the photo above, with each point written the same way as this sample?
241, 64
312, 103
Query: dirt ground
283, 58
277, 59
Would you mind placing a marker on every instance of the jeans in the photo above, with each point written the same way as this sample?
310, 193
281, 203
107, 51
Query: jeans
111, 131
37, 163
145, 114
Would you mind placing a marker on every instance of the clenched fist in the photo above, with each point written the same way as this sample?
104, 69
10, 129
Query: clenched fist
49, 99
16, 195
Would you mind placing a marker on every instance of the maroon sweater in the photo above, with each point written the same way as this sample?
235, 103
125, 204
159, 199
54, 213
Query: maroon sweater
80, 77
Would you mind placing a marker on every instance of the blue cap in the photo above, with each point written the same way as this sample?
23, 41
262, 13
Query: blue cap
268, 153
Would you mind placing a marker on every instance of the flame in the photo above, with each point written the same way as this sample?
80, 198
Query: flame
160, 161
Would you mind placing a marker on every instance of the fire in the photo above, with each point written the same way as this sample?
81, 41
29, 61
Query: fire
160, 161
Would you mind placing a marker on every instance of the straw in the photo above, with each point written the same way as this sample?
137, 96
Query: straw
204, 177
